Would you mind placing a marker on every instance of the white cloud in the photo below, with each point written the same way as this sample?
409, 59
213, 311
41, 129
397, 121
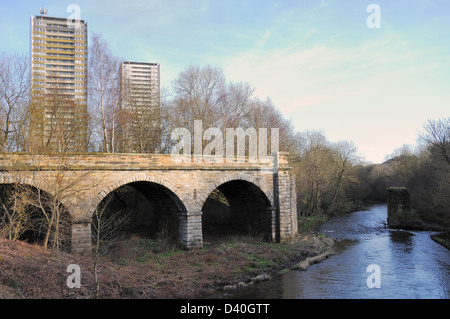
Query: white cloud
373, 93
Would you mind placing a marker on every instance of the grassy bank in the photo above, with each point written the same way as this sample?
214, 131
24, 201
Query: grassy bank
442, 238
142, 268
311, 224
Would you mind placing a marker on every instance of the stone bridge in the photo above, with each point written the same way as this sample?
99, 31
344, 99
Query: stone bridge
86, 179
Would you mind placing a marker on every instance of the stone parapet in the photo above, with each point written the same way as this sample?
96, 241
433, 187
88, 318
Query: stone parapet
126, 162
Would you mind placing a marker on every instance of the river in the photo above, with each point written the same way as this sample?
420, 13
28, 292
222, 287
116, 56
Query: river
371, 262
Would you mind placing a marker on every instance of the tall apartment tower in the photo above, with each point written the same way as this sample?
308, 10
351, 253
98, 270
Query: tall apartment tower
58, 108
139, 107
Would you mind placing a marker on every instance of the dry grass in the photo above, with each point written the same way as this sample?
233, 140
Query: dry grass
136, 268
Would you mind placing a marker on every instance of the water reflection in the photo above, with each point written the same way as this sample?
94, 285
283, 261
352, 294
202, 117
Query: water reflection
412, 265
401, 237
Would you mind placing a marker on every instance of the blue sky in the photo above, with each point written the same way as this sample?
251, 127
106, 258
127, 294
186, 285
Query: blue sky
317, 60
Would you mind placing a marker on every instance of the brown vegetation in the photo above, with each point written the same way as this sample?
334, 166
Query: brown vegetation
136, 269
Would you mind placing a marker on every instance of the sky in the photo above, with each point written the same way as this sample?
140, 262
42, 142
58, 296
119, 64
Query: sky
322, 62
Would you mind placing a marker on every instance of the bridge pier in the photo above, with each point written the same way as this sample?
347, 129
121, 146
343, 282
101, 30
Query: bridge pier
81, 237
190, 233
285, 201
190, 230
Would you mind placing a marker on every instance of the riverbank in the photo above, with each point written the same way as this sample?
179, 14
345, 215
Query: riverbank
138, 268
442, 238
424, 222
411, 265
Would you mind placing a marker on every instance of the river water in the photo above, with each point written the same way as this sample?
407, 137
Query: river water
402, 264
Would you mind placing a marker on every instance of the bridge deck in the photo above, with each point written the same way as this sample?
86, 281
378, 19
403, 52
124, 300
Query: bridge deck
101, 161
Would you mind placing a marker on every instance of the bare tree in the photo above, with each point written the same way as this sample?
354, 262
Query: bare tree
14, 90
436, 136
198, 95
326, 174
30, 209
58, 123
44, 214
103, 93
312, 171
139, 118
264, 114
202, 93
402, 163
15, 219
237, 105
21, 128
106, 226
345, 157
166, 125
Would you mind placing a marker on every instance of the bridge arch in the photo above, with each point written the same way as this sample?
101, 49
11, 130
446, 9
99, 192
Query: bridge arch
6, 179
41, 185
137, 178
151, 205
239, 205
35, 213
241, 177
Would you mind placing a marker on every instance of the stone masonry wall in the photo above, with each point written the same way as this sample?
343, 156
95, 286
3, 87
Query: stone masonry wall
89, 178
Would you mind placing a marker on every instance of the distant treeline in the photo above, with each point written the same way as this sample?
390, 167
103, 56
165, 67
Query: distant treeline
331, 179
